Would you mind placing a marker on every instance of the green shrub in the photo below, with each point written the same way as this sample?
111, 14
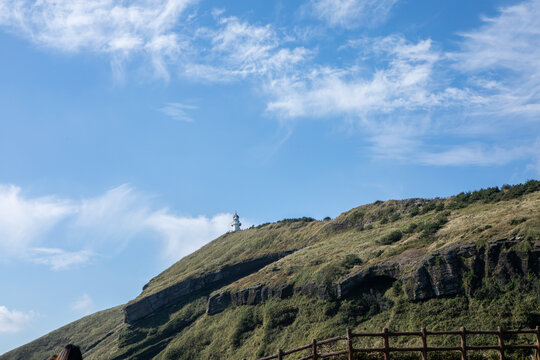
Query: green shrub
430, 228
350, 261
411, 229
279, 315
247, 321
391, 238
304, 219
517, 221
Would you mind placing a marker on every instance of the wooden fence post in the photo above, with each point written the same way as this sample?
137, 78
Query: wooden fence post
537, 343
386, 344
349, 345
280, 354
314, 353
501, 343
424, 343
463, 343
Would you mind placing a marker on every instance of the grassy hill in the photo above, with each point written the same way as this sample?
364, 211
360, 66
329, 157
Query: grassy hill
383, 249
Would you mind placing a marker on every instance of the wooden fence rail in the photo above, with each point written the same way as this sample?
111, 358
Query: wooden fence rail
386, 349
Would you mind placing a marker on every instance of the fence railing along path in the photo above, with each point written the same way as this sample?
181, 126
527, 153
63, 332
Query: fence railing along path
386, 349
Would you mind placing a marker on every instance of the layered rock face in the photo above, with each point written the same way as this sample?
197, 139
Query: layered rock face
206, 283
444, 273
450, 272
257, 294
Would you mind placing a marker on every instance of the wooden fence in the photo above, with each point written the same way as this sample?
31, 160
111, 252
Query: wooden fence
386, 349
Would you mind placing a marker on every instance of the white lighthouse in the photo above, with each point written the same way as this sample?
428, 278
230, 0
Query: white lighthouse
236, 222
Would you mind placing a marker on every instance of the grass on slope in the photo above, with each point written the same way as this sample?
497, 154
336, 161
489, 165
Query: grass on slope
235, 247
360, 246
254, 331
96, 334
377, 220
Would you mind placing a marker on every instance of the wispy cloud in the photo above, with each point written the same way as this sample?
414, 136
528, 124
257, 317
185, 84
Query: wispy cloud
12, 321
59, 259
101, 225
183, 235
24, 220
414, 90
406, 84
502, 57
475, 154
120, 29
352, 13
238, 49
178, 111
83, 304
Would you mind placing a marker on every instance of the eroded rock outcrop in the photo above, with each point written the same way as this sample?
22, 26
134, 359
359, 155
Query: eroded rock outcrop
448, 273
259, 293
206, 283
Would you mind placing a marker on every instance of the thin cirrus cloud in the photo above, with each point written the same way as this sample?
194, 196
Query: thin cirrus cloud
178, 111
59, 259
86, 229
238, 49
83, 304
24, 221
352, 13
504, 58
13, 321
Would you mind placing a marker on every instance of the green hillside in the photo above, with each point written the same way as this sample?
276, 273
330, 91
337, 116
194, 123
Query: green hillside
469, 260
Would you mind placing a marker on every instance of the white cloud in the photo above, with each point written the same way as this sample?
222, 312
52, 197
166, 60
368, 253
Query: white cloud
101, 225
83, 304
503, 59
59, 259
183, 235
12, 321
112, 218
352, 13
102, 26
178, 111
23, 221
406, 84
475, 154
237, 49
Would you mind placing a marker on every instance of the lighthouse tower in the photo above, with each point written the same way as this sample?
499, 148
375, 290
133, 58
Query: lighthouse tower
236, 222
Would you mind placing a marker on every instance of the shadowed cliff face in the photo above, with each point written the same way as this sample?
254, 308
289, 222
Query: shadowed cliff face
201, 285
463, 268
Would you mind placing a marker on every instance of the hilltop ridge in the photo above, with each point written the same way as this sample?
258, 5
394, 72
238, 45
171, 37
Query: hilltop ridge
370, 266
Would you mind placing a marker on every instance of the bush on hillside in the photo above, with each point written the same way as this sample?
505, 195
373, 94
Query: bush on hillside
350, 261
391, 238
279, 315
304, 219
493, 194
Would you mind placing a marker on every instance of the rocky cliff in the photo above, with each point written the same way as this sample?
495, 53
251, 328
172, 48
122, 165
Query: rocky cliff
206, 283
449, 272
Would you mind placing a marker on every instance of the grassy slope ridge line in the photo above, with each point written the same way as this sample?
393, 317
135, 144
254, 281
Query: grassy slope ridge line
360, 238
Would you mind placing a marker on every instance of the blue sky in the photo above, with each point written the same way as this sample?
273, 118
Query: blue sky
130, 131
